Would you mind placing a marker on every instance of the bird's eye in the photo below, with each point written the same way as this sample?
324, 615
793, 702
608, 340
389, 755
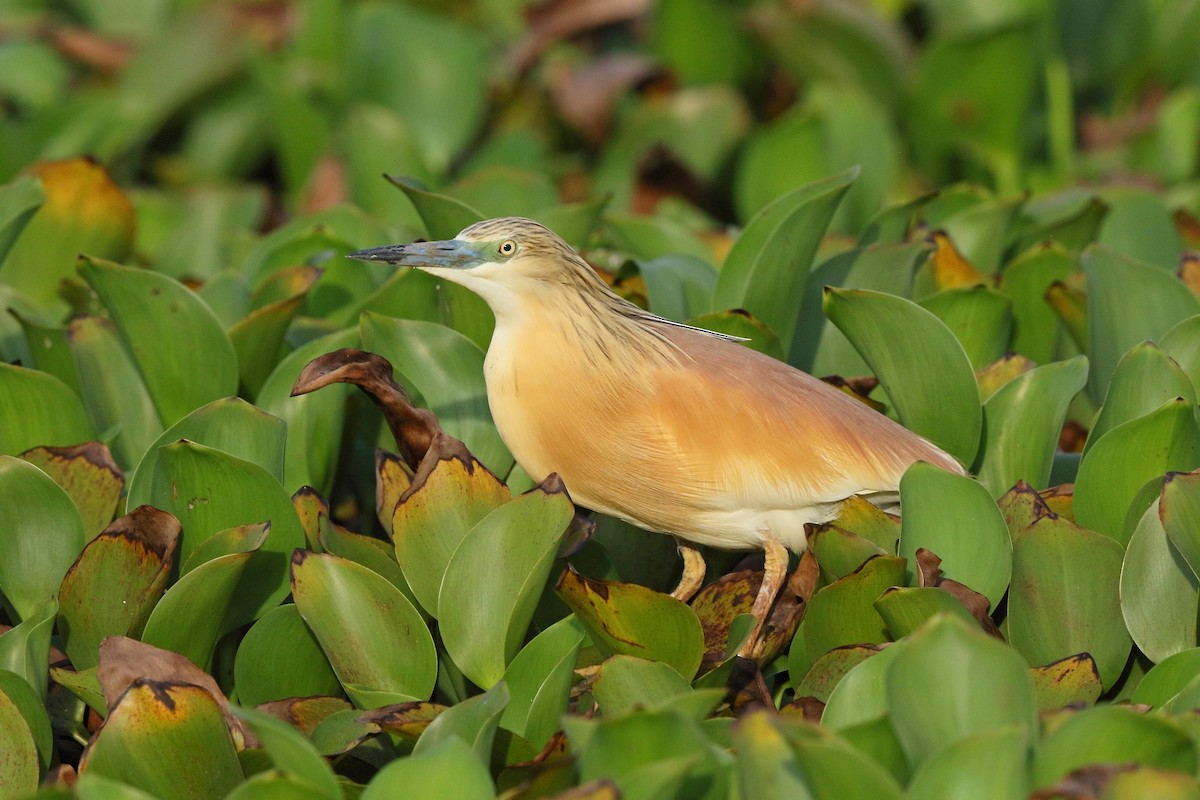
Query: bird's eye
508, 247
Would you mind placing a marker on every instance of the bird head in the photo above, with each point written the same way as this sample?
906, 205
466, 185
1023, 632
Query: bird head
506, 261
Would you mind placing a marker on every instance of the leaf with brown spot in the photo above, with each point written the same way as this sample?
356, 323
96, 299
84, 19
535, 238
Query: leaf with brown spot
305, 713
310, 506
839, 552
88, 473
1074, 680
393, 476
1022, 506
169, 739
341, 732
636, 621
1061, 500
116, 581
450, 493
406, 720
124, 662
413, 428
818, 683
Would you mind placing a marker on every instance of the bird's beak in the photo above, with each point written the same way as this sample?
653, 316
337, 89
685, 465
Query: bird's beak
452, 254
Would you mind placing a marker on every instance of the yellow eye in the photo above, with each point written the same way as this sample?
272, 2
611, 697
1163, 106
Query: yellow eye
508, 247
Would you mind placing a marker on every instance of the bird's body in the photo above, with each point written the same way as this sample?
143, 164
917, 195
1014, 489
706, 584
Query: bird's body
671, 428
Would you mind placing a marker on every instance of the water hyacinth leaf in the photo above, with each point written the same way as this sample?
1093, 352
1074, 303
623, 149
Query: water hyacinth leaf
626, 683
932, 692
449, 769
840, 552
84, 212
41, 537
1182, 344
165, 325
167, 739
938, 508
374, 554
238, 539
819, 347
1071, 681
978, 316
19, 199
1138, 225
1168, 678
20, 767
1145, 378
766, 764
281, 658
1068, 298
1180, 514
495, 577
1022, 422
291, 752
446, 369
447, 498
474, 721
738, 322
1068, 220
574, 222
37, 409
922, 367
991, 765
1159, 591
765, 272
539, 680
97, 787
25, 648
632, 620
1111, 734
1037, 330
231, 425
375, 640
646, 238
679, 286
112, 388
1064, 597
860, 697
89, 475
210, 491
443, 215
314, 420
843, 613
1117, 466
258, 338
905, 609
199, 609
113, 585
276, 784
1129, 301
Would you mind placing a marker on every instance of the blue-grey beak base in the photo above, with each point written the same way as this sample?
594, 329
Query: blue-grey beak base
452, 254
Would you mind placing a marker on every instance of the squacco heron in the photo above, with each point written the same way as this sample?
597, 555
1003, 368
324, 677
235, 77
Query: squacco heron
671, 428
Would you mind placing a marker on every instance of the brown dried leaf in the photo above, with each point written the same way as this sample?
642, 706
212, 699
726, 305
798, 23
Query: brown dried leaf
809, 708
858, 388
406, 720
304, 713
413, 428
123, 661
557, 20
586, 96
929, 568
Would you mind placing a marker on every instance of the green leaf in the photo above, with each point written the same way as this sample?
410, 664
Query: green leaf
37, 409
450, 769
922, 367
539, 679
765, 271
1159, 591
19, 199
40, 538
231, 425
165, 326
167, 739
446, 369
1144, 379
1128, 302
844, 613
739, 323
474, 721
626, 684
1179, 510
932, 689
766, 764
1022, 422
494, 579
827, 672
1182, 343
938, 507
991, 765
116, 581
280, 658
632, 620
905, 609
291, 752
25, 648
375, 640
978, 316
210, 491
1064, 597
1166, 681
679, 286
1111, 734
443, 215
1037, 330
258, 338
1117, 466
16, 690
20, 769
452, 494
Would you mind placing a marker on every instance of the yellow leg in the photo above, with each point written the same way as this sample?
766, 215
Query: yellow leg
774, 574
693, 571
